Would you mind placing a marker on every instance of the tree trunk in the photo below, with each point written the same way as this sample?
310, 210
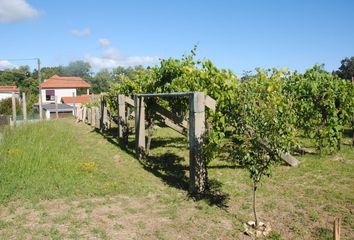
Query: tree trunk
254, 203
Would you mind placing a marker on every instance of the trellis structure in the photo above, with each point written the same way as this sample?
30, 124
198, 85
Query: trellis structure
100, 118
198, 101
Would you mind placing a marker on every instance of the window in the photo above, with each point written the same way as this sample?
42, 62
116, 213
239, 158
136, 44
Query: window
50, 95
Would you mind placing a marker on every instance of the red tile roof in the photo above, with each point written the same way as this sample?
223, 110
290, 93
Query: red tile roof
8, 89
79, 99
64, 82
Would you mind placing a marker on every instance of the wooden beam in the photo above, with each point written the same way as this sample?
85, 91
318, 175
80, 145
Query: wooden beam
210, 103
129, 101
163, 111
174, 126
289, 159
286, 157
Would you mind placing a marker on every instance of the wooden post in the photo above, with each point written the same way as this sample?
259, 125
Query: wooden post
89, 115
74, 104
84, 114
93, 116
121, 120
13, 109
139, 126
24, 107
79, 115
336, 228
40, 90
56, 108
197, 165
101, 114
105, 117
353, 120
97, 120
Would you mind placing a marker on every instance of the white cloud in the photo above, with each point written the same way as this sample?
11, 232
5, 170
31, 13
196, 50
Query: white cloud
111, 57
4, 64
81, 32
16, 10
104, 42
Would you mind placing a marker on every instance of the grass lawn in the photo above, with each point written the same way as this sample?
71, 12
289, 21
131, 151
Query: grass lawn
61, 180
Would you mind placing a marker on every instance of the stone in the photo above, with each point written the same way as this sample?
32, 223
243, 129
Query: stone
251, 223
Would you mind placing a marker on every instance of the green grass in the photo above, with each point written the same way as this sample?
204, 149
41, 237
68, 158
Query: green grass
54, 159
63, 180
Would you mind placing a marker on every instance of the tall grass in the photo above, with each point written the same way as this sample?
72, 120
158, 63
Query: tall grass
45, 160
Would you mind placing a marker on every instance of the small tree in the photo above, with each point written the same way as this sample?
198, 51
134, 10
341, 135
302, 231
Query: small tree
262, 125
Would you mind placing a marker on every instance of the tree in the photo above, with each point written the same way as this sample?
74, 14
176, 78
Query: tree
47, 72
119, 73
100, 82
262, 123
346, 70
78, 68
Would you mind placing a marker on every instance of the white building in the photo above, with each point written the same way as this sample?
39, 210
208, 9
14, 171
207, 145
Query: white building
58, 87
6, 92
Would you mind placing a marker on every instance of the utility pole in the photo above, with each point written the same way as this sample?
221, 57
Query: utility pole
40, 90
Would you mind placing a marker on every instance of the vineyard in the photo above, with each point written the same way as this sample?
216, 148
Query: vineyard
254, 121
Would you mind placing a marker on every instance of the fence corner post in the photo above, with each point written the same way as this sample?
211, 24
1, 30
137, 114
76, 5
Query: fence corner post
197, 165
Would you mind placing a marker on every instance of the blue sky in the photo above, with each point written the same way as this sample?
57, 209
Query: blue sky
237, 35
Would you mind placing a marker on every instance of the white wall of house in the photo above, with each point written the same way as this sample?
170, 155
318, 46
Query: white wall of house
8, 95
61, 92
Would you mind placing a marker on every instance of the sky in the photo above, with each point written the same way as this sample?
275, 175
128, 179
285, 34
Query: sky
234, 34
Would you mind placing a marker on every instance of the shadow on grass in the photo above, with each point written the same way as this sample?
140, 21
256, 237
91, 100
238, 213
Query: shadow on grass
112, 137
170, 169
214, 196
173, 142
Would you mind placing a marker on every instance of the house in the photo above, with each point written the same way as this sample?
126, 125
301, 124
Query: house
58, 87
6, 92
79, 100
55, 89
64, 110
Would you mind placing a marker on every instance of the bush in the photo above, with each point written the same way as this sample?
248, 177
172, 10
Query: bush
6, 106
